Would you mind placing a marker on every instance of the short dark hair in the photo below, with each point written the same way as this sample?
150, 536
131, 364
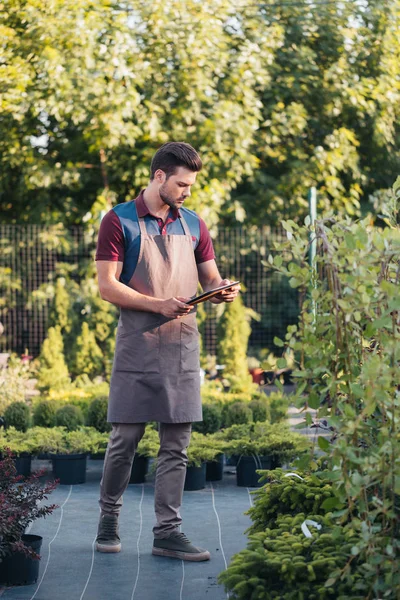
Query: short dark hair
173, 155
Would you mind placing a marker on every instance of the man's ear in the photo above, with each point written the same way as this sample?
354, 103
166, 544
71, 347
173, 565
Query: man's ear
160, 176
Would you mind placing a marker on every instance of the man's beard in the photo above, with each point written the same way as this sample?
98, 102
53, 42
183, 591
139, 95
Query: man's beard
167, 199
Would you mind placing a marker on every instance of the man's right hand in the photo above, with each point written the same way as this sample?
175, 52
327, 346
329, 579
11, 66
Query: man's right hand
173, 308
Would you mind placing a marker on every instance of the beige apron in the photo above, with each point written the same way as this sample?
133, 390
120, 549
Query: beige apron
156, 370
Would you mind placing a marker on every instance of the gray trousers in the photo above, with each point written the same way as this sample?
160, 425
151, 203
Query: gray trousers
170, 474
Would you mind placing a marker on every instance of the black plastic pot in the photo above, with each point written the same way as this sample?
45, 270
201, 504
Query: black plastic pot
140, 466
23, 464
98, 456
246, 475
70, 469
195, 478
18, 569
215, 468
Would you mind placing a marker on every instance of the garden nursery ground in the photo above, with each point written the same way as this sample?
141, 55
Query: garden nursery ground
70, 569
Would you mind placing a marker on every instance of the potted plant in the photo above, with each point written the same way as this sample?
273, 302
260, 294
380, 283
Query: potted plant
68, 451
262, 446
215, 466
20, 504
147, 448
22, 446
200, 451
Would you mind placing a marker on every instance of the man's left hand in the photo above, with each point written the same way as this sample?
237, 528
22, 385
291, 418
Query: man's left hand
227, 295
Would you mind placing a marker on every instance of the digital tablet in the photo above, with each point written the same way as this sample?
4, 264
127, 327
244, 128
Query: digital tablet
211, 293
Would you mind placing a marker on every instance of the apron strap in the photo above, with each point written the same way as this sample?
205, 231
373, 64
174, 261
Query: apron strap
185, 226
142, 225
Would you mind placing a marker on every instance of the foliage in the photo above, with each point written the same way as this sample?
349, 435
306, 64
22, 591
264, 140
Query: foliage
69, 416
259, 410
348, 349
17, 415
203, 448
79, 396
44, 414
13, 381
278, 405
53, 371
236, 413
212, 419
281, 562
97, 415
263, 439
288, 494
88, 357
149, 444
276, 98
58, 440
233, 332
21, 503
18, 442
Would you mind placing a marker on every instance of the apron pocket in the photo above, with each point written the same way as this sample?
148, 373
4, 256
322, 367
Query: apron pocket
138, 352
190, 348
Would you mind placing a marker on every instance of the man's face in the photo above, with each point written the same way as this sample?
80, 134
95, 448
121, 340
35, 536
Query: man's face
174, 190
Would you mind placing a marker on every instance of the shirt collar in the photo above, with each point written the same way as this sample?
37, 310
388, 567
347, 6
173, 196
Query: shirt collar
143, 211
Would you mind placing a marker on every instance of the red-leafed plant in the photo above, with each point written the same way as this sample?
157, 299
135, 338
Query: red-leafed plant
20, 504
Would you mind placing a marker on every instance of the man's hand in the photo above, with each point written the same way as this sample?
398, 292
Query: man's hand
227, 295
173, 308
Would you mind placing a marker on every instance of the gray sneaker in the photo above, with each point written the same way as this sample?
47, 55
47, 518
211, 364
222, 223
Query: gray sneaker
108, 534
178, 546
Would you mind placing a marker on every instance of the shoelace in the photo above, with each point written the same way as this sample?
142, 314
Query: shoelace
109, 526
182, 537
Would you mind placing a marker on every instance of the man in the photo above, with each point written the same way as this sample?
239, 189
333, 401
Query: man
151, 254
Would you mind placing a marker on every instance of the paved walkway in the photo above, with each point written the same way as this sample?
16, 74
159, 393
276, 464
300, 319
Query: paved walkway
70, 569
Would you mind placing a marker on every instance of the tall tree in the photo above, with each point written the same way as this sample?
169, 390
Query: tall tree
277, 96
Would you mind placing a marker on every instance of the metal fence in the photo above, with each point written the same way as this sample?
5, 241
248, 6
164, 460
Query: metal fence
29, 255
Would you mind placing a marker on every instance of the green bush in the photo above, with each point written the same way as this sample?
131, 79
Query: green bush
233, 332
212, 419
44, 414
259, 409
281, 562
278, 406
264, 439
70, 417
17, 415
97, 415
236, 414
53, 371
288, 494
88, 356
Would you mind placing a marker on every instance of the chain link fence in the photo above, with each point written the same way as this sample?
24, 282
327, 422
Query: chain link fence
30, 255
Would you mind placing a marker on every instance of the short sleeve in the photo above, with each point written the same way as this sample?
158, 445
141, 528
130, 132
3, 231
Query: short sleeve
110, 242
205, 249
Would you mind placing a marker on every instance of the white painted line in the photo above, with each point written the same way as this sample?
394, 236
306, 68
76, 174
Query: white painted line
51, 541
137, 544
91, 569
183, 580
219, 528
250, 498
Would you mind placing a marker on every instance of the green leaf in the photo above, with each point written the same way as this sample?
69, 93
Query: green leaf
281, 363
323, 443
278, 342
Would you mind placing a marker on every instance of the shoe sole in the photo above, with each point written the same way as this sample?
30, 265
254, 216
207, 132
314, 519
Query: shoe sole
108, 549
198, 557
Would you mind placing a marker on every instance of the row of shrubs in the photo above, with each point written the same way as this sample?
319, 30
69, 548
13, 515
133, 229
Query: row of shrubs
223, 411
256, 439
48, 413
